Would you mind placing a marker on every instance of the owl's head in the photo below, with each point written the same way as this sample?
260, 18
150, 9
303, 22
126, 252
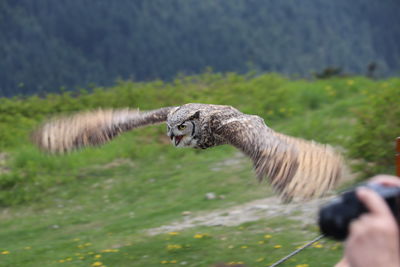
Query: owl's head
184, 129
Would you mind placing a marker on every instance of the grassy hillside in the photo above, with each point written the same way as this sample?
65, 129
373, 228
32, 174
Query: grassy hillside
93, 208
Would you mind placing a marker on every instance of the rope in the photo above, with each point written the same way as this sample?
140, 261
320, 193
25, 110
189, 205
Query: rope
297, 251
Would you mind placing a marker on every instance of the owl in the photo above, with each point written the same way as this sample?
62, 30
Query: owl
295, 168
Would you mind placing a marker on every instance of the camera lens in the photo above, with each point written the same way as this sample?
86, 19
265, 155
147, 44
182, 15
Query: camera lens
332, 223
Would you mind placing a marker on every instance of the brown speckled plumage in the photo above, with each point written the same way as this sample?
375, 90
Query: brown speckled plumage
296, 168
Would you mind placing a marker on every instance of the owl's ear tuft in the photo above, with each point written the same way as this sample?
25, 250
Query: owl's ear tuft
195, 116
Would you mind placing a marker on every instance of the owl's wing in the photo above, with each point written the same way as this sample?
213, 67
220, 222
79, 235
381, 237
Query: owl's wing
295, 168
93, 128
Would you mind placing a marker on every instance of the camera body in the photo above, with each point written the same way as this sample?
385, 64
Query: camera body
336, 216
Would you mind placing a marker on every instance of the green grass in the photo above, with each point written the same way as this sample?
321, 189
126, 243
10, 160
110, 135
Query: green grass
65, 210
112, 208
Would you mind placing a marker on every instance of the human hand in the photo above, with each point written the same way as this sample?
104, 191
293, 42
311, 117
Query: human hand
374, 236
386, 180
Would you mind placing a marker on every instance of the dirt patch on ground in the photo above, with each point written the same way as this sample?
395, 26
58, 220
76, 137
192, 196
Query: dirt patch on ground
116, 163
305, 213
110, 165
3, 168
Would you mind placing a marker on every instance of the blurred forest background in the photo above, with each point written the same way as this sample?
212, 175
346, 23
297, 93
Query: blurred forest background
47, 45
323, 70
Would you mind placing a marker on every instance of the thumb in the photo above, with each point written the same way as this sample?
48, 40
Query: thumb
374, 203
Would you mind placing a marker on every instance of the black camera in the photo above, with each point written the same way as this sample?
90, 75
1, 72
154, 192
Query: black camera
335, 217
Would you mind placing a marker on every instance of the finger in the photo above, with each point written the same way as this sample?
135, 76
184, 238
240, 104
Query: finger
386, 180
358, 226
343, 263
374, 203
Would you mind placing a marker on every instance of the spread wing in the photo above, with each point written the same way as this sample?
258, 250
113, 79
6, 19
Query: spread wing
93, 128
295, 168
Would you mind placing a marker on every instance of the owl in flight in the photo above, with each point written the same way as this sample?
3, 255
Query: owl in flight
295, 168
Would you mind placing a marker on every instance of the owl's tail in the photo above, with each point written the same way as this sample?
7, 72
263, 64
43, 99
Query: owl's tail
64, 134
320, 168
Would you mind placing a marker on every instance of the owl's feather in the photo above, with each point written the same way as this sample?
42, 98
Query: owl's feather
92, 128
320, 168
296, 168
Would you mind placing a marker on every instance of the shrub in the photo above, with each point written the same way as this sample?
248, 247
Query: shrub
377, 127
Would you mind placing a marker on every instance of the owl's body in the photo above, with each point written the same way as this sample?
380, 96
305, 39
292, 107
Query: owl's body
205, 121
294, 167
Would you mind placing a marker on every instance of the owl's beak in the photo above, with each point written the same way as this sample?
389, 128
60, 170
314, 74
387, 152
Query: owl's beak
178, 139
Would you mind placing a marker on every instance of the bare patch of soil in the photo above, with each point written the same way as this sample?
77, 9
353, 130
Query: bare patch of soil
3, 158
305, 212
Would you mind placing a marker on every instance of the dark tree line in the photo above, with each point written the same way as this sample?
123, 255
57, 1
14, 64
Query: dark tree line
47, 44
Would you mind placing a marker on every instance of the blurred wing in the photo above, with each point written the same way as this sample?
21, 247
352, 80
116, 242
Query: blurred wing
320, 168
295, 168
271, 156
93, 128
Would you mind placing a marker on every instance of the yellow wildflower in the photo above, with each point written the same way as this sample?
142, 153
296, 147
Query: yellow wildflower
318, 246
164, 262
199, 235
173, 246
234, 262
97, 263
302, 265
98, 256
277, 246
5, 252
261, 242
68, 259
61, 261
267, 236
243, 247
173, 233
173, 261
332, 93
27, 248
109, 250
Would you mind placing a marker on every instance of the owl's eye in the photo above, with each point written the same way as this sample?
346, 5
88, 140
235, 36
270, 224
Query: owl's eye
181, 127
